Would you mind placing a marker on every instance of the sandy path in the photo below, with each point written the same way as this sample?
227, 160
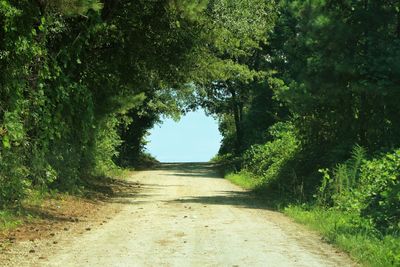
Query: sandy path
186, 216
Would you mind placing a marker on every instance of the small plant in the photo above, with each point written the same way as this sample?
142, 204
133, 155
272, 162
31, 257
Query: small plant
339, 186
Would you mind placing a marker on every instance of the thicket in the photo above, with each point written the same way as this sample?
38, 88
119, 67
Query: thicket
71, 71
82, 81
320, 121
318, 124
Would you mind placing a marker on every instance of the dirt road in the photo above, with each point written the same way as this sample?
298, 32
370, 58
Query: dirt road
184, 215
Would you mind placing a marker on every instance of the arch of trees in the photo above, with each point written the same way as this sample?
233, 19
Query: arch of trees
295, 85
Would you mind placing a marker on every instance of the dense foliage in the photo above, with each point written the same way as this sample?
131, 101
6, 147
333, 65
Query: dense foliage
326, 84
306, 92
64, 92
82, 81
370, 188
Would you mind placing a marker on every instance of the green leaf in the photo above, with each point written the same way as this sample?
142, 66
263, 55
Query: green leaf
6, 142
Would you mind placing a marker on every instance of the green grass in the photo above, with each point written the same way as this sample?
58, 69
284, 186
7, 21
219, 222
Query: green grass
349, 232
9, 220
244, 180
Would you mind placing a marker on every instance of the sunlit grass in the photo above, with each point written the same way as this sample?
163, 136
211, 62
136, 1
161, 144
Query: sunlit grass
244, 180
351, 233
11, 218
8, 220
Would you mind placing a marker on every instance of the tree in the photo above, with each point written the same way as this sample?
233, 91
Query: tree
237, 34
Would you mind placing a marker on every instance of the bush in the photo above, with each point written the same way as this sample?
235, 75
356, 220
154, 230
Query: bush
338, 184
13, 179
370, 188
274, 161
228, 163
381, 189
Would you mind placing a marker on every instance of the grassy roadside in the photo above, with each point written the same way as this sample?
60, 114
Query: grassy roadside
13, 217
349, 232
42, 205
244, 180
9, 220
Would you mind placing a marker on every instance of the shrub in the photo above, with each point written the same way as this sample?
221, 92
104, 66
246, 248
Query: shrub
13, 178
368, 187
381, 189
274, 160
338, 185
228, 163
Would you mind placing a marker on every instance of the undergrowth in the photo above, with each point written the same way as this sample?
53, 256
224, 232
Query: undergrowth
353, 203
25, 210
14, 216
9, 220
244, 179
351, 233
347, 230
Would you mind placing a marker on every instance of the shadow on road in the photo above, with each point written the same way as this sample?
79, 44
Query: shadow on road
190, 169
244, 199
128, 192
185, 166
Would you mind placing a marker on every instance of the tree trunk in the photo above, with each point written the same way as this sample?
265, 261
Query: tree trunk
236, 107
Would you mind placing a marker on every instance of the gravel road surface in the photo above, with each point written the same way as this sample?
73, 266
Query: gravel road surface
185, 215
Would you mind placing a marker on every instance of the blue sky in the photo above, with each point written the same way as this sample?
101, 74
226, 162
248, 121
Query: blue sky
195, 138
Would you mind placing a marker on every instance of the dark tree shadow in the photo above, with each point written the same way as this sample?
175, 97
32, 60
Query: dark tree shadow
243, 199
191, 169
128, 192
186, 166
